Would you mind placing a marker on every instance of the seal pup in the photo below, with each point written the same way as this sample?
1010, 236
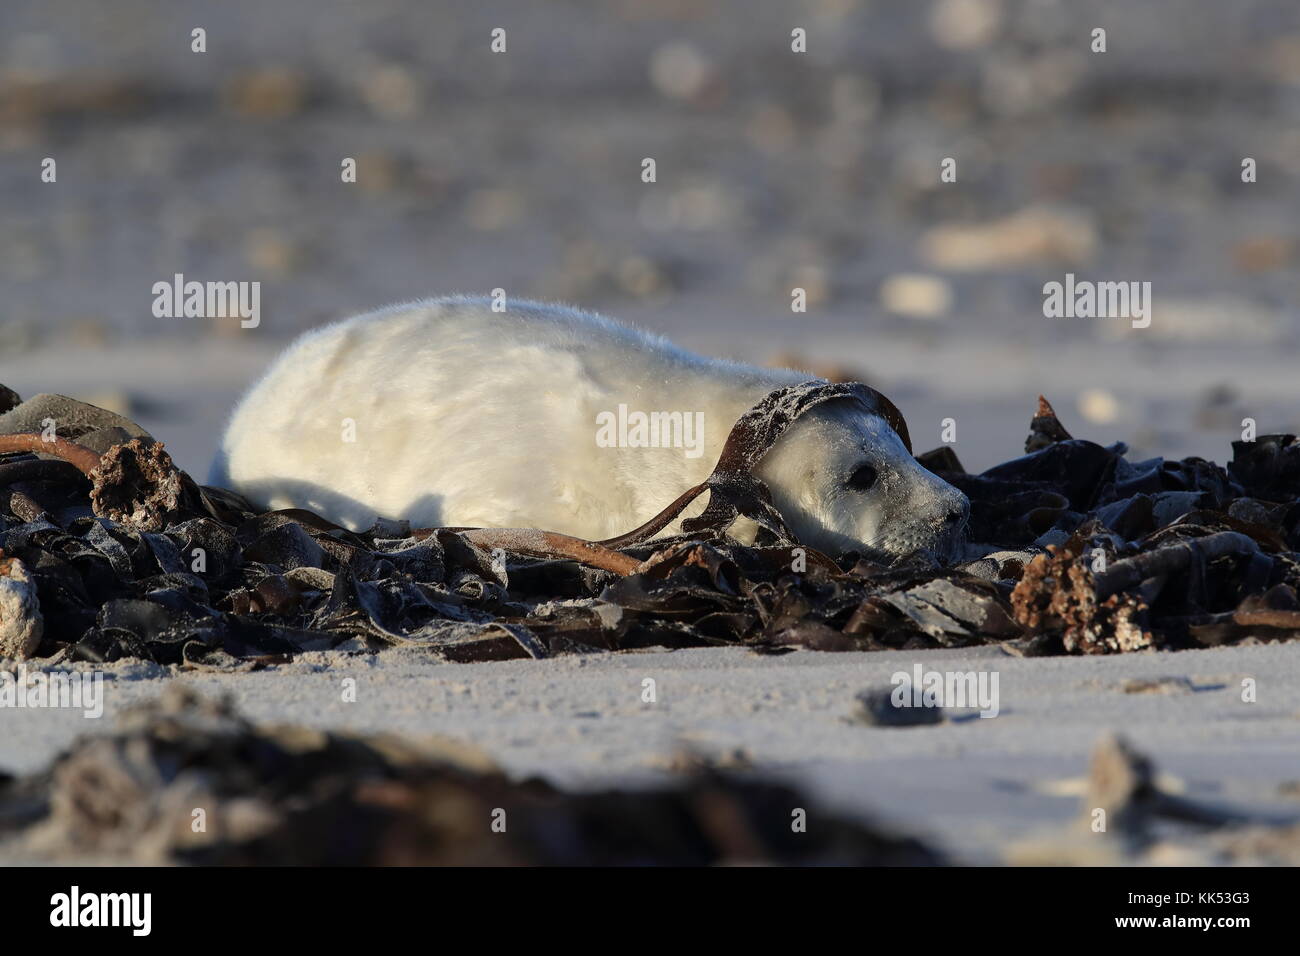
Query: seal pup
447, 413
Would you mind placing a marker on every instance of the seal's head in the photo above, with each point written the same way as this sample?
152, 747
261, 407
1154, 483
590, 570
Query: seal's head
843, 479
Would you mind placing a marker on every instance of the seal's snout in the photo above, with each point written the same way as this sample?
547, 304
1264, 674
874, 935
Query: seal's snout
953, 524
958, 513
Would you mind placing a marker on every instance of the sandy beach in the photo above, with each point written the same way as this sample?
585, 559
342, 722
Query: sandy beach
980, 789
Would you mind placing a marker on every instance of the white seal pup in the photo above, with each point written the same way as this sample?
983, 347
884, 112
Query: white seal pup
447, 413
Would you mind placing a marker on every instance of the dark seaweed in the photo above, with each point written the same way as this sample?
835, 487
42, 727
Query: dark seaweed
1081, 551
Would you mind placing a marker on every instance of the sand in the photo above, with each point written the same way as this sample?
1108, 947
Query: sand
970, 785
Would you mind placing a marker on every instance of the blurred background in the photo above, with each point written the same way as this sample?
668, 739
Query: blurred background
775, 169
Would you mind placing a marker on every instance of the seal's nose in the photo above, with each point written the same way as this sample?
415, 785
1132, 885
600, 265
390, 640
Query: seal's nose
958, 512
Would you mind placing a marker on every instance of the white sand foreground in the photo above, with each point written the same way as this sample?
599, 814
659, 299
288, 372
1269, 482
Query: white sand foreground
971, 786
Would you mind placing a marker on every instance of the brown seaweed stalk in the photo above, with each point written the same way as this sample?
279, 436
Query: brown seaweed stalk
660, 521
1267, 617
551, 544
135, 482
85, 459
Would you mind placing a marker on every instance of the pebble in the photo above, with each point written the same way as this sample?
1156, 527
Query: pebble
21, 624
1036, 235
1099, 406
680, 71
271, 93
876, 707
916, 296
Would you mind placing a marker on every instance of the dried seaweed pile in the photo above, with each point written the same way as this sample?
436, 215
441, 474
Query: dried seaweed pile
108, 551
185, 779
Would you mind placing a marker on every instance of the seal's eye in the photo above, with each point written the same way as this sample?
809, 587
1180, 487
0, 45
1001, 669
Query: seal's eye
863, 478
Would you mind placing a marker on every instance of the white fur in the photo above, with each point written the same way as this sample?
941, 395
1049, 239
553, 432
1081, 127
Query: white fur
469, 417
